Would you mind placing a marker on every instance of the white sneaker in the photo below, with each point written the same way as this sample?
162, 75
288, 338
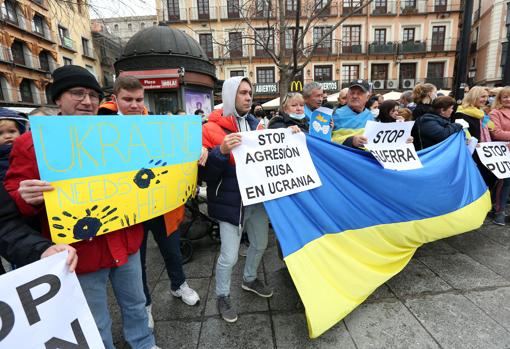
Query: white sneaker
187, 294
149, 315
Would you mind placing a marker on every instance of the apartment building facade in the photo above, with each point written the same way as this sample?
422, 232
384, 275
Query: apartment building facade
488, 48
124, 27
36, 37
393, 43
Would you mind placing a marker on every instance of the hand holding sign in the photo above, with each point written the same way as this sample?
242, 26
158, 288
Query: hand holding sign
389, 144
230, 142
496, 157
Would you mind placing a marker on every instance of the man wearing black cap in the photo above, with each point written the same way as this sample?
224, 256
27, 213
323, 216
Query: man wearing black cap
350, 120
114, 256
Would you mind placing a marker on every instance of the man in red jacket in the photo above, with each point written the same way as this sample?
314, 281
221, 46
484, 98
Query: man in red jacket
113, 256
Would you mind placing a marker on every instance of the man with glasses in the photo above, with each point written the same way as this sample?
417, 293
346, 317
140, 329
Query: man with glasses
114, 256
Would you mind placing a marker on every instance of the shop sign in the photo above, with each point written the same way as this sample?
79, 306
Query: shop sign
270, 88
159, 83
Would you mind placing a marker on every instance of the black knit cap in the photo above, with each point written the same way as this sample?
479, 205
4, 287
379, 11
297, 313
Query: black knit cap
69, 76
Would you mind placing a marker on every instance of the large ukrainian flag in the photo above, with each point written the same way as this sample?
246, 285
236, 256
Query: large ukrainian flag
362, 226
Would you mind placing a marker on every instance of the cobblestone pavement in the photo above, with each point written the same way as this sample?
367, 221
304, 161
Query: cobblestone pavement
455, 293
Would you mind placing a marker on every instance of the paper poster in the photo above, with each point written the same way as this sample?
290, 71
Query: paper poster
196, 100
387, 142
42, 306
110, 172
496, 157
273, 163
320, 123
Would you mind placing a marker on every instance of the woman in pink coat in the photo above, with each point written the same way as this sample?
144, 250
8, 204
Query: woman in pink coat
500, 116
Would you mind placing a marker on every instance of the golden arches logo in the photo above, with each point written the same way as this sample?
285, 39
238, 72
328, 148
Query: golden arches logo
296, 86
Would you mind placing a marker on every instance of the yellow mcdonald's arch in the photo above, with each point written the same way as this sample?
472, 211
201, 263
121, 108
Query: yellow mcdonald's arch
296, 86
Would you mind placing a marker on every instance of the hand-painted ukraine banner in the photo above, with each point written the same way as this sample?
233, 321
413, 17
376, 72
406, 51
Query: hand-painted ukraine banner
362, 226
111, 172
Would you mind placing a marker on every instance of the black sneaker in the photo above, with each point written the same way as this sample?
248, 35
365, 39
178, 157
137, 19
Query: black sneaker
257, 287
226, 310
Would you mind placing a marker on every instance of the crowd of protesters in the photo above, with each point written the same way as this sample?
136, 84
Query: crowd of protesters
119, 257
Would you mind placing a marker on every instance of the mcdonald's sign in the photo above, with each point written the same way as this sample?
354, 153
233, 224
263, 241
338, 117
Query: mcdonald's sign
296, 86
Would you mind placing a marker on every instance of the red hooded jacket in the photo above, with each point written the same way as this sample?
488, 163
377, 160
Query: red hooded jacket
105, 251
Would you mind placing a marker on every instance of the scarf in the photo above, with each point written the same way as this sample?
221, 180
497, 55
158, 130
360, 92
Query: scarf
477, 114
349, 123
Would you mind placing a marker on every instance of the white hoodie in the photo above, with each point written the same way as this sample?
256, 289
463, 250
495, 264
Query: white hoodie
228, 94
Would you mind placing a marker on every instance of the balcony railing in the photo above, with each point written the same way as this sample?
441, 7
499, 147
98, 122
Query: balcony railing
386, 48
67, 42
412, 47
441, 83
410, 8
203, 14
389, 9
450, 6
448, 44
355, 10
351, 48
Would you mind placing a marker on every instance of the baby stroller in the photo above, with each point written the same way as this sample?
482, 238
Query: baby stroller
196, 225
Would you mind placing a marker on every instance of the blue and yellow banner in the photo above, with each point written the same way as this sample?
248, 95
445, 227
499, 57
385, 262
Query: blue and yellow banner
343, 240
111, 172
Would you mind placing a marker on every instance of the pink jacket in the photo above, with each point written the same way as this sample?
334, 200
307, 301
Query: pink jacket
501, 120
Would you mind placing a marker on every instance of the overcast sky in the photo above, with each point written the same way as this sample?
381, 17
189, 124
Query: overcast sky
121, 8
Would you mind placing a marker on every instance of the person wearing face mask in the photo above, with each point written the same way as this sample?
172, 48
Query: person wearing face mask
292, 113
389, 112
373, 106
423, 95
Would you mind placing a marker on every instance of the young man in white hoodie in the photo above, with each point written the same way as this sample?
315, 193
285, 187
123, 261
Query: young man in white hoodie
220, 135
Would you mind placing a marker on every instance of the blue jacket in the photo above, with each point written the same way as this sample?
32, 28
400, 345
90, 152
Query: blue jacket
223, 195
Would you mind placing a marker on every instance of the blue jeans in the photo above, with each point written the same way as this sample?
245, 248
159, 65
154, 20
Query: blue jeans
257, 227
127, 285
170, 248
502, 193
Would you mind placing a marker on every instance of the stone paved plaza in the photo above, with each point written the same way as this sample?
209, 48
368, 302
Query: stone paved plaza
455, 293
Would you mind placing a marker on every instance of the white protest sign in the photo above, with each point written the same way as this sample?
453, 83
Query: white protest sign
387, 143
42, 306
273, 163
496, 157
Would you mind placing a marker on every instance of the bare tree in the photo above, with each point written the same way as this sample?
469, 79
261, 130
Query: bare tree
268, 28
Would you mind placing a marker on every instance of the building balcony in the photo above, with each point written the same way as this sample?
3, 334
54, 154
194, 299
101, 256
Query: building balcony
441, 83
355, 10
412, 47
450, 6
410, 8
438, 46
384, 48
201, 14
350, 48
388, 9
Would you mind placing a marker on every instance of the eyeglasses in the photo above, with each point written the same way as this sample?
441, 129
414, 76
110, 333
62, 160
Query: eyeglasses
289, 96
79, 95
